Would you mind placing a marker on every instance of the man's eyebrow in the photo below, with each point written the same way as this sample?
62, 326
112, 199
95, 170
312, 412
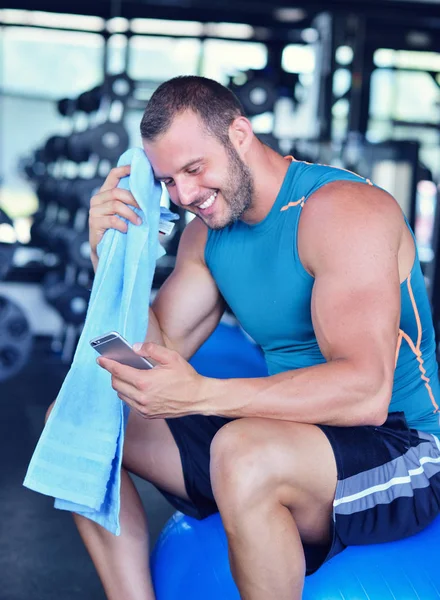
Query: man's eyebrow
193, 161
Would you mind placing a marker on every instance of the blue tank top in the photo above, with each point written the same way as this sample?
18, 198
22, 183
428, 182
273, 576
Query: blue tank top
249, 264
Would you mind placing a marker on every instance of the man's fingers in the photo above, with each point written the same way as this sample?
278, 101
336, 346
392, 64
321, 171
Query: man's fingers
122, 372
126, 389
104, 197
111, 209
131, 403
108, 205
160, 354
114, 177
132, 379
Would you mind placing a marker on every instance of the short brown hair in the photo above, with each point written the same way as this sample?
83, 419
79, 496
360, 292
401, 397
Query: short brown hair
215, 104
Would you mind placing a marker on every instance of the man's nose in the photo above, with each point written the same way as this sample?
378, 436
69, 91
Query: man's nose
187, 192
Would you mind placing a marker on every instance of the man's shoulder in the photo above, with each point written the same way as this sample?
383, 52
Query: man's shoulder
350, 198
347, 213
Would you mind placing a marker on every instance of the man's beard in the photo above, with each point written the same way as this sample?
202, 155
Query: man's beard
237, 192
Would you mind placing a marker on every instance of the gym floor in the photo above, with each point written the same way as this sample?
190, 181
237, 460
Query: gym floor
42, 556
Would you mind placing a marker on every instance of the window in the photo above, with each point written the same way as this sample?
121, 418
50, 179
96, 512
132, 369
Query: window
160, 58
49, 63
223, 58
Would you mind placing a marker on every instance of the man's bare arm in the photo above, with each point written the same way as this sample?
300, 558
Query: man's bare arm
188, 306
349, 240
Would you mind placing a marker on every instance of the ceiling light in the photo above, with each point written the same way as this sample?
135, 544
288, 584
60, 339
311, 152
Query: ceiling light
289, 15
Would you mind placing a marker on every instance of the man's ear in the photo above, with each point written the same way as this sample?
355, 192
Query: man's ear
241, 135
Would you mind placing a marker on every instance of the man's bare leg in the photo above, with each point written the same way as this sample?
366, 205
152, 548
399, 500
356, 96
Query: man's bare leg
122, 561
274, 483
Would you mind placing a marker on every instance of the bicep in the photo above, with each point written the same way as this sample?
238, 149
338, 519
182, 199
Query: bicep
357, 318
189, 306
356, 294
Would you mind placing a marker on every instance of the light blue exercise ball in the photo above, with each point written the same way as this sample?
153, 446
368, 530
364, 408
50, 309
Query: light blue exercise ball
190, 562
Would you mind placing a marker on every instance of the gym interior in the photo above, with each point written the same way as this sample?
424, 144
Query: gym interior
345, 83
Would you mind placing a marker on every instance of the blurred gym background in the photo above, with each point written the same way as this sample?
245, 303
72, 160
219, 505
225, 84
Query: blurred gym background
348, 83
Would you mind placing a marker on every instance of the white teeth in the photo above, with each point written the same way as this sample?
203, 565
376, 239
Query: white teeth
209, 202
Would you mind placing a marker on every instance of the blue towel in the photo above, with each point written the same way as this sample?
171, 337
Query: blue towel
78, 457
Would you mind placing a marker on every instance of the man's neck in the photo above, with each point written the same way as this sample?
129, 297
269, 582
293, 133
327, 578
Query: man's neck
269, 172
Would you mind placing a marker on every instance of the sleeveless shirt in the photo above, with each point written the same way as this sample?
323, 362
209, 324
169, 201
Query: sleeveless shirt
259, 273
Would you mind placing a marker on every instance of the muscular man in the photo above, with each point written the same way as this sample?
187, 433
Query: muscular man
320, 268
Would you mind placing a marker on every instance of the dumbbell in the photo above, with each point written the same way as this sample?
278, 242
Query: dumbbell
115, 87
90, 101
15, 338
38, 238
78, 249
258, 94
107, 141
46, 190
6, 258
42, 234
61, 191
69, 299
66, 107
71, 193
119, 87
65, 194
86, 188
78, 148
110, 140
7, 250
55, 148
73, 246
35, 171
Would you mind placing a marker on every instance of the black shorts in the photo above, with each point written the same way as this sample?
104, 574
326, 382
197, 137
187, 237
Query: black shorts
388, 480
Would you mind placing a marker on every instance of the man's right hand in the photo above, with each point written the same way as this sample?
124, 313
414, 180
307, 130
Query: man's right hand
106, 205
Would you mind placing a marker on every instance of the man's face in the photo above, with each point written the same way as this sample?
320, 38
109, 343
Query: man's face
200, 173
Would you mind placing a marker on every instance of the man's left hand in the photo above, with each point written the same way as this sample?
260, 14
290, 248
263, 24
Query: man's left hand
170, 389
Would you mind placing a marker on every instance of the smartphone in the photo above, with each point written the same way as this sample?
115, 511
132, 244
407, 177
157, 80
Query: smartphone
113, 345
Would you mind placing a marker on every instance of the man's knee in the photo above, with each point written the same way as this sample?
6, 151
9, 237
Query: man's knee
256, 458
49, 410
245, 465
